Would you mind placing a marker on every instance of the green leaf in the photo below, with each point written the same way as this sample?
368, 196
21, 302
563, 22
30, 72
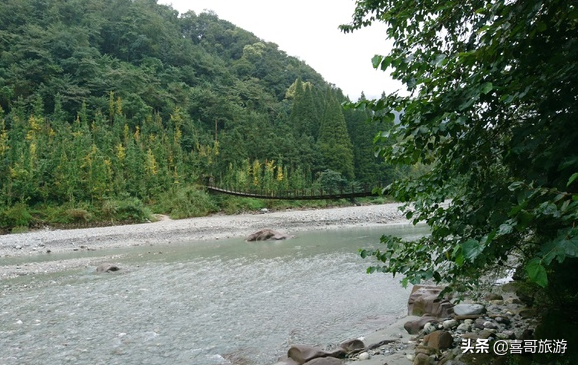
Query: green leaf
569, 243
523, 219
541, 27
537, 272
460, 259
548, 208
572, 178
385, 63
439, 59
487, 87
376, 60
472, 249
505, 228
515, 185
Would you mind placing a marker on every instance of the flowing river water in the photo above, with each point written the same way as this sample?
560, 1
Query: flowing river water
203, 303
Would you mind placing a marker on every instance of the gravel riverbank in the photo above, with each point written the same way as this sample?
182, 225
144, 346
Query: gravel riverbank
50, 242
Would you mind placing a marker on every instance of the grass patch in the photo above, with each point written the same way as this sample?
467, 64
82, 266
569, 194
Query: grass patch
19, 229
237, 205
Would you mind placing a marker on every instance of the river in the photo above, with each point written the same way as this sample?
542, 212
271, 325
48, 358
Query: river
202, 303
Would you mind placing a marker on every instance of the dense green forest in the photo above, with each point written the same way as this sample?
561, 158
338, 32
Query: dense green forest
111, 109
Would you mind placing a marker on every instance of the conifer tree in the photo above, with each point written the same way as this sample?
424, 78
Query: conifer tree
304, 117
334, 141
367, 167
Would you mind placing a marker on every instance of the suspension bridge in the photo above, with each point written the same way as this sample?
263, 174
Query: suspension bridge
343, 192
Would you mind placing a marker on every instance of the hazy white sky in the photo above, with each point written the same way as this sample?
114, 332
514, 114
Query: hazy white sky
307, 29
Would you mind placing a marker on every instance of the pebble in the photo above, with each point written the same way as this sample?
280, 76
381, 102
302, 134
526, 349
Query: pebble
363, 356
479, 323
468, 309
513, 301
490, 325
429, 328
504, 320
464, 327
450, 323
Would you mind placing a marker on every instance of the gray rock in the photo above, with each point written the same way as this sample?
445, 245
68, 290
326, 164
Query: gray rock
107, 267
513, 301
493, 296
429, 328
267, 234
509, 334
504, 320
468, 309
464, 327
352, 345
413, 327
450, 323
479, 323
485, 334
304, 354
324, 361
421, 359
490, 325
363, 356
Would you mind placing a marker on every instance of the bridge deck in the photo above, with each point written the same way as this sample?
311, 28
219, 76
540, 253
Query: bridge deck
296, 194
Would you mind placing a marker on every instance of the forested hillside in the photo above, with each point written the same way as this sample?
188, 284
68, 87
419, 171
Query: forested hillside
112, 106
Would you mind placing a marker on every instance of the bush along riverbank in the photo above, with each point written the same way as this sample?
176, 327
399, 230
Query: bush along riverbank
504, 325
178, 204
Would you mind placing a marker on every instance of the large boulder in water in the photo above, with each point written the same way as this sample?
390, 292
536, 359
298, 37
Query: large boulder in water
107, 267
267, 234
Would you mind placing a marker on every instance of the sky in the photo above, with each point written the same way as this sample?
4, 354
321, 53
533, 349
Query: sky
308, 30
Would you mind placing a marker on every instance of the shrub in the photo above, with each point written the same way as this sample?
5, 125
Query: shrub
236, 205
78, 215
132, 209
17, 215
186, 202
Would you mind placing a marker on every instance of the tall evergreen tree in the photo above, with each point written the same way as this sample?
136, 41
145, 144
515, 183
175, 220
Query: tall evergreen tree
304, 116
334, 141
368, 168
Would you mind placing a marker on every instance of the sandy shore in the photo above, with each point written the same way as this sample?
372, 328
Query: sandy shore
28, 246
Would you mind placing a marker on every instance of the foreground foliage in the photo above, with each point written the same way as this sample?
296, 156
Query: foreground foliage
492, 108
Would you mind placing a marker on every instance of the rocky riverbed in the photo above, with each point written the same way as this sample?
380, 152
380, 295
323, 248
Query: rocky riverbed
166, 231
453, 335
